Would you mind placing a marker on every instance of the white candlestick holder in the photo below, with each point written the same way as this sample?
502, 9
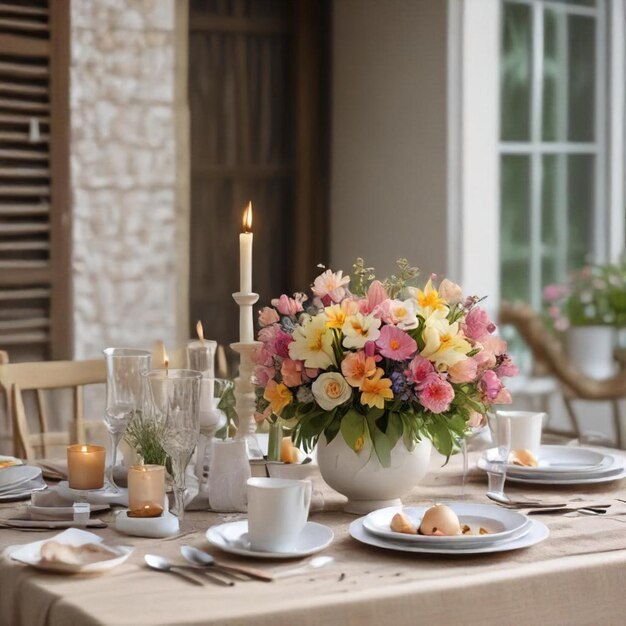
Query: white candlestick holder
245, 401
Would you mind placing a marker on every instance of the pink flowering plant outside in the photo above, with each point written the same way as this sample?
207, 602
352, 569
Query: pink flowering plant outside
376, 362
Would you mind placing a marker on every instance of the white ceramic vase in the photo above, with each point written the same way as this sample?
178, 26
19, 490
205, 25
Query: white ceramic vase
592, 349
228, 474
363, 480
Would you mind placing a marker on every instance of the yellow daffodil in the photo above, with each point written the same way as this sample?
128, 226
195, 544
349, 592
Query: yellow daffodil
336, 314
313, 343
429, 300
278, 395
445, 345
376, 390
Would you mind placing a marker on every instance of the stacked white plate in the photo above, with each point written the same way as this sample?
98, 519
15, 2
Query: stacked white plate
506, 530
17, 482
564, 465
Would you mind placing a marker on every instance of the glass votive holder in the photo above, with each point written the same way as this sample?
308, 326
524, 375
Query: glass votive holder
85, 466
146, 490
201, 356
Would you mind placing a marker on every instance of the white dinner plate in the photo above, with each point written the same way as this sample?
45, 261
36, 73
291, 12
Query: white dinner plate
23, 492
554, 481
232, 537
502, 524
14, 476
613, 466
30, 554
565, 459
529, 536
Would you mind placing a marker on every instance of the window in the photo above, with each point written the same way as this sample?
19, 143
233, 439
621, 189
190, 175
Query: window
554, 211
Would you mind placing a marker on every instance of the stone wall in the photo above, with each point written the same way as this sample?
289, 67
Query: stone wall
127, 259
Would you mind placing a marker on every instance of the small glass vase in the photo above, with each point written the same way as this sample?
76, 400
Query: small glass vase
275, 441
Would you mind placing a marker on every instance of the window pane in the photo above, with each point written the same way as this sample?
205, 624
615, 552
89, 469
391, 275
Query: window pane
515, 228
568, 79
567, 215
584, 3
516, 72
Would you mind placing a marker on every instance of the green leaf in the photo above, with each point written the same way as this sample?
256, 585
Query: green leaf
379, 439
395, 428
352, 427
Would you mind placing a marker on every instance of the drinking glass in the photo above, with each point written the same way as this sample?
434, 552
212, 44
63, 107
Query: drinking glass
173, 398
125, 367
497, 457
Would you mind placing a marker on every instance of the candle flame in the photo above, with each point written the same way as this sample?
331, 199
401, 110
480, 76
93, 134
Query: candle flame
84, 449
162, 352
200, 331
247, 219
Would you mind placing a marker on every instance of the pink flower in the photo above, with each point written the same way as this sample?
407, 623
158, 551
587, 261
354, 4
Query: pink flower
267, 334
419, 369
494, 344
395, 344
490, 386
331, 285
292, 372
477, 324
463, 371
376, 294
263, 375
503, 397
357, 366
485, 360
552, 293
436, 394
476, 420
287, 305
267, 316
506, 367
281, 343
264, 356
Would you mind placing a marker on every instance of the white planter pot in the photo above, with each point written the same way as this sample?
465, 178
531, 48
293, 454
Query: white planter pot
363, 480
591, 349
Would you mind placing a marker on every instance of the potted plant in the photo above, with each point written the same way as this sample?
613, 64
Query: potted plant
589, 310
376, 373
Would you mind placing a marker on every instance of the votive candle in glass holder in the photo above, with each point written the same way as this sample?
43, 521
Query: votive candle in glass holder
146, 490
85, 466
201, 356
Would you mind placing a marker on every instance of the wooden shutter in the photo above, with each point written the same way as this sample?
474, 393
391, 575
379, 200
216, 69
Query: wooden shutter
35, 235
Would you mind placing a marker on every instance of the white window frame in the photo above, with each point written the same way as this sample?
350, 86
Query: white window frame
474, 147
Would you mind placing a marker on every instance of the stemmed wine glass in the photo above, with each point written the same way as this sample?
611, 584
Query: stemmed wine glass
497, 457
173, 398
125, 367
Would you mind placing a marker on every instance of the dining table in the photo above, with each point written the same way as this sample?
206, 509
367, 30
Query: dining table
576, 576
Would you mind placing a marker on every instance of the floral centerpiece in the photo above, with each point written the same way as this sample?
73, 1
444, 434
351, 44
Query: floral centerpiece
589, 310
379, 363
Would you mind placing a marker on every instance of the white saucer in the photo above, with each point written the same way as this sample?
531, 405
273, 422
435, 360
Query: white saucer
555, 482
93, 496
536, 533
501, 524
232, 537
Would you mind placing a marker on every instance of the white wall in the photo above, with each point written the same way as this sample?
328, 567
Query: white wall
389, 118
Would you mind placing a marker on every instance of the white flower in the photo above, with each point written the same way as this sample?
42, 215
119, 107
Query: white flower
359, 329
313, 343
330, 390
450, 292
331, 284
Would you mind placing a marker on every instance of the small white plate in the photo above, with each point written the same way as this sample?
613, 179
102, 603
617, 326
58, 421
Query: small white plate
30, 554
93, 496
529, 536
232, 537
16, 475
502, 524
565, 459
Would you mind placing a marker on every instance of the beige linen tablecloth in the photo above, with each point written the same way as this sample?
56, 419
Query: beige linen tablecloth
577, 576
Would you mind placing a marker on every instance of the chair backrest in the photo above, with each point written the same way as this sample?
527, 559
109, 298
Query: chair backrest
40, 377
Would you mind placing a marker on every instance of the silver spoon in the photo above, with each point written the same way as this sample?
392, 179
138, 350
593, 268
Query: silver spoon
161, 564
202, 559
504, 500
315, 563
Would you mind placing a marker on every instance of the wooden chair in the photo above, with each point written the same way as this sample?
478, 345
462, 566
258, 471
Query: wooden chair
40, 377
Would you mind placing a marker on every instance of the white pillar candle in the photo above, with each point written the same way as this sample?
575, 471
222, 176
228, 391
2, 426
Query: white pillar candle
245, 252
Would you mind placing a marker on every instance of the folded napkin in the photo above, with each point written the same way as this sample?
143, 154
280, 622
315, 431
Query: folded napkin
51, 505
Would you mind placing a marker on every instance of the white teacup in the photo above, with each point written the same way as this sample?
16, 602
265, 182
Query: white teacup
277, 512
525, 429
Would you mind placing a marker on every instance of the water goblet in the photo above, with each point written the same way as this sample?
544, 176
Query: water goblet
124, 396
173, 398
497, 457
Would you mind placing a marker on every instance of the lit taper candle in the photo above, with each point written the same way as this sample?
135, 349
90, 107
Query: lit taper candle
245, 252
